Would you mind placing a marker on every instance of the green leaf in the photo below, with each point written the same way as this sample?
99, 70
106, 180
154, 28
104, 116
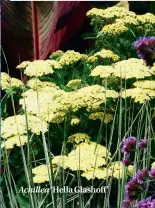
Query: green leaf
23, 201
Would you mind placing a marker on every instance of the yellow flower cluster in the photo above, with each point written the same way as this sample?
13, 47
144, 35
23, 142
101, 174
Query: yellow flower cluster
115, 170
92, 59
126, 69
114, 29
75, 121
54, 64
110, 13
130, 170
87, 156
23, 65
36, 84
10, 142
139, 95
99, 115
74, 84
17, 125
83, 161
128, 20
38, 68
41, 173
107, 54
99, 173
131, 68
102, 71
7, 81
60, 161
69, 58
146, 18
84, 157
117, 19
54, 104
79, 138
41, 103
146, 84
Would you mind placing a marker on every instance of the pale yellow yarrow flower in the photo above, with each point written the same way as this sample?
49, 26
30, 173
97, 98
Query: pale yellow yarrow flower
15, 140
146, 84
38, 68
78, 138
107, 54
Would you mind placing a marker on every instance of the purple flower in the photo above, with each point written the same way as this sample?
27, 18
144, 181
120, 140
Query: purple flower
134, 187
127, 203
126, 160
142, 175
145, 47
142, 143
146, 203
129, 144
152, 173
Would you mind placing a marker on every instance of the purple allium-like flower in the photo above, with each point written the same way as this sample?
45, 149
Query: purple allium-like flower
142, 143
152, 173
129, 144
146, 203
145, 47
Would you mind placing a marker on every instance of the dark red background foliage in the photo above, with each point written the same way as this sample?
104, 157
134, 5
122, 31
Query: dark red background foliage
30, 30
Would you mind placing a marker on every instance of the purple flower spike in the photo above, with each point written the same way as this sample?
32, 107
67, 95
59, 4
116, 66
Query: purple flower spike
129, 144
142, 143
146, 203
145, 47
152, 173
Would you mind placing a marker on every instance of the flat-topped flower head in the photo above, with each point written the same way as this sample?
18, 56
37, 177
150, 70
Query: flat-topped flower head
139, 95
8, 82
70, 58
87, 156
125, 69
41, 174
79, 138
107, 54
13, 141
114, 29
17, 125
38, 68
36, 84
146, 84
